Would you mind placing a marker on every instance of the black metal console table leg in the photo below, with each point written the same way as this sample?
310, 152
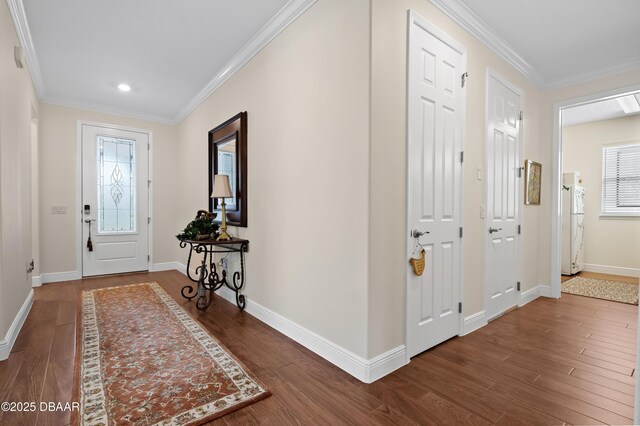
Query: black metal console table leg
206, 275
204, 294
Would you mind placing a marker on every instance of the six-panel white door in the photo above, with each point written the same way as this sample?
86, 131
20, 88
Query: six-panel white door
503, 196
115, 200
436, 104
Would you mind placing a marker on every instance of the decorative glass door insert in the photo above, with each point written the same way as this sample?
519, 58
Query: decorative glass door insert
116, 179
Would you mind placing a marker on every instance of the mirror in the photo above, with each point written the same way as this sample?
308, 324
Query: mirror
228, 156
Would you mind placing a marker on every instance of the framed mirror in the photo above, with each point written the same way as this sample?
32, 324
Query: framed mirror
228, 156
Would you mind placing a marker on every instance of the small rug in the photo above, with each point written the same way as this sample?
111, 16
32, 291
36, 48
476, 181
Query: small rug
615, 291
143, 360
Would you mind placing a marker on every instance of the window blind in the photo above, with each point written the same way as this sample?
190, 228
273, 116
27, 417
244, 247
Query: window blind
621, 180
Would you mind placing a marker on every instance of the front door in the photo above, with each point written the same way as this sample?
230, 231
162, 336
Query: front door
504, 185
115, 201
436, 104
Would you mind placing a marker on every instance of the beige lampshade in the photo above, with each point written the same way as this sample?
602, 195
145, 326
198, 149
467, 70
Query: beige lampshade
221, 187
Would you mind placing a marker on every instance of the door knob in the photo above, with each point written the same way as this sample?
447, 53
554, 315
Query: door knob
417, 234
492, 230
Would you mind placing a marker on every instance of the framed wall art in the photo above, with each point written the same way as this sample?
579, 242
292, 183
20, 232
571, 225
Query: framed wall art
532, 174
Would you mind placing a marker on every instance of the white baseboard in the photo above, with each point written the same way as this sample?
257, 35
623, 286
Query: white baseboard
386, 363
545, 290
529, 296
165, 266
533, 293
613, 270
7, 344
474, 322
36, 281
76, 275
365, 370
54, 277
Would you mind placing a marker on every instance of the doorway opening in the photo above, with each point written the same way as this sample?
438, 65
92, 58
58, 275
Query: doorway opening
596, 196
600, 206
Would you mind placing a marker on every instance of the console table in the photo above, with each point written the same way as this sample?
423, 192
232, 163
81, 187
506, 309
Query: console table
207, 275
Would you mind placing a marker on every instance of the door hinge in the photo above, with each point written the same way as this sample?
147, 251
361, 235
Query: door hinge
462, 156
148, 146
148, 258
463, 79
459, 307
518, 286
461, 232
519, 229
519, 172
148, 220
521, 116
148, 184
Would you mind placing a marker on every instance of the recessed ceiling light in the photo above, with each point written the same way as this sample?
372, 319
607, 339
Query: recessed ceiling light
629, 104
124, 87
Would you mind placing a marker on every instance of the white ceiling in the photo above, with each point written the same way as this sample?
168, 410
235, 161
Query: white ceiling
556, 42
595, 111
175, 53
167, 51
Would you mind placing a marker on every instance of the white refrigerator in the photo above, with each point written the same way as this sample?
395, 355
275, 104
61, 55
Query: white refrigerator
572, 229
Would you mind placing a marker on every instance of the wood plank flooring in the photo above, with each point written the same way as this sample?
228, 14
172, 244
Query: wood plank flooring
566, 361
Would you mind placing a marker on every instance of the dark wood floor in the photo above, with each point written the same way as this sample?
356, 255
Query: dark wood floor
551, 362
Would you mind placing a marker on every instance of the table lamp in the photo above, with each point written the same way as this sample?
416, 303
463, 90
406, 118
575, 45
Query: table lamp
222, 189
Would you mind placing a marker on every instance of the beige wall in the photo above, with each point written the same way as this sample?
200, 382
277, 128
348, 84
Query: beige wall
58, 185
17, 99
307, 99
388, 258
609, 241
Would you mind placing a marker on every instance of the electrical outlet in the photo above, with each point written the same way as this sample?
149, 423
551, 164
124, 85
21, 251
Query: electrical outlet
482, 211
58, 209
224, 263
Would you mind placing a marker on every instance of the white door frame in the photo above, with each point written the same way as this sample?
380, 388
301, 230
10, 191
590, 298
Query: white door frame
487, 241
556, 174
415, 18
78, 208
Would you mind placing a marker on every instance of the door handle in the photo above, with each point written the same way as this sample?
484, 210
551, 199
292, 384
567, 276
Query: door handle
417, 234
492, 230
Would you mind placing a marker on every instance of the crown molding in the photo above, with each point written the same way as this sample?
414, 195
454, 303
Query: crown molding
633, 64
467, 19
19, 18
287, 15
105, 109
461, 14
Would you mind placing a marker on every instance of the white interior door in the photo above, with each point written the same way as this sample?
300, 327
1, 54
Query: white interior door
436, 104
115, 200
504, 185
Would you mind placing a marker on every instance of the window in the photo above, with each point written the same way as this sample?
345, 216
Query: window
621, 180
116, 185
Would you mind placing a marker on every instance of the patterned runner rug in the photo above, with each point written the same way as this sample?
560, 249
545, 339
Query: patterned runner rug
143, 360
615, 291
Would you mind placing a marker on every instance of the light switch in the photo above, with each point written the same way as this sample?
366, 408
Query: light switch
482, 211
479, 171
